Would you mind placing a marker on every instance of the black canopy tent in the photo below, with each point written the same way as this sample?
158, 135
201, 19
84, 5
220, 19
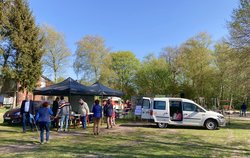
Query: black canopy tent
102, 90
67, 87
73, 90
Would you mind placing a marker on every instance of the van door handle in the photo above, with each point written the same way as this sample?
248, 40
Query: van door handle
165, 113
185, 114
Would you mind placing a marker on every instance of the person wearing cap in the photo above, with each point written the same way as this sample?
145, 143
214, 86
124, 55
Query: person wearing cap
43, 118
83, 111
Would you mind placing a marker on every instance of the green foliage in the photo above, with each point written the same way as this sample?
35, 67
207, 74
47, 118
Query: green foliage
195, 64
153, 77
130, 140
91, 57
24, 47
239, 26
5, 49
170, 54
57, 53
240, 42
124, 64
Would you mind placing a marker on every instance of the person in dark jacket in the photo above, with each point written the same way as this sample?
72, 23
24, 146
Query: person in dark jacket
108, 110
243, 109
43, 118
54, 110
97, 114
27, 109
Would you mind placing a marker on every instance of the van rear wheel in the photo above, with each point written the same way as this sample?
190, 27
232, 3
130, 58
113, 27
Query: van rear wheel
161, 125
211, 124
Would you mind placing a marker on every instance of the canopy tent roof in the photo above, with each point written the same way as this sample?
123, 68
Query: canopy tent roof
66, 87
102, 90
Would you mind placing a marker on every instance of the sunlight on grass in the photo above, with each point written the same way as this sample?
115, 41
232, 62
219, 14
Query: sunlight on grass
148, 141
2, 111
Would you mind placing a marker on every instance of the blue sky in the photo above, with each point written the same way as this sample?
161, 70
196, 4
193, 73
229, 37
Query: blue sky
140, 26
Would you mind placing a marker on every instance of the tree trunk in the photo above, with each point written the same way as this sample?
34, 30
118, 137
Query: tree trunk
231, 102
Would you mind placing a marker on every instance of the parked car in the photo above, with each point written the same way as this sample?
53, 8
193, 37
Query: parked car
13, 116
164, 111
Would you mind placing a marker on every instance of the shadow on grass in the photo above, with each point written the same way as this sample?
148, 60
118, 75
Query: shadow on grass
10, 125
187, 143
238, 124
18, 142
9, 131
148, 125
141, 147
139, 144
109, 151
138, 125
234, 124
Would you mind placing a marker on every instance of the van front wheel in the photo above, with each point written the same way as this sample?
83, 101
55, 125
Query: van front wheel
211, 124
161, 125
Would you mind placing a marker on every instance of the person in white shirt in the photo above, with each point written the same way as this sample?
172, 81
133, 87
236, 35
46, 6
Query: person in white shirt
84, 111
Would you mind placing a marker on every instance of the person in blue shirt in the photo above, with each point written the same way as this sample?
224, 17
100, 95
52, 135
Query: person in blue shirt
43, 118
97, 114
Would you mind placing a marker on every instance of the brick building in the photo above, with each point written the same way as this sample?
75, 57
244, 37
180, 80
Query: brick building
10, 97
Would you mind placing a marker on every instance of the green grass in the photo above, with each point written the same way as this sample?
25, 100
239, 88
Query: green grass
131, 140
2, 111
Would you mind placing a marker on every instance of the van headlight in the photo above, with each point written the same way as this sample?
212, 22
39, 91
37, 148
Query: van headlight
220, 117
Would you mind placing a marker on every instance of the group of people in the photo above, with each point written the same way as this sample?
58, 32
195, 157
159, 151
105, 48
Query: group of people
60, 112
42, 116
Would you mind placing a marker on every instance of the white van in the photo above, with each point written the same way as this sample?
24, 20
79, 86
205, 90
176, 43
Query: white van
163, 111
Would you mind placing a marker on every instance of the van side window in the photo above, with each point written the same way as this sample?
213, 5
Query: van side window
146, 104
160, 105
189, 107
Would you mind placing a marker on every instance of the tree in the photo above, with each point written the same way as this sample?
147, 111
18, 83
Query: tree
60, 79
196, 67
124, 64
170, 54
153, 77
91, 57
5, 48
77, 67
57, 53
227, 76
24, 45
239, 28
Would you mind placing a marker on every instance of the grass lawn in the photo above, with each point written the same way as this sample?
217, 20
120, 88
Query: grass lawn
131, 140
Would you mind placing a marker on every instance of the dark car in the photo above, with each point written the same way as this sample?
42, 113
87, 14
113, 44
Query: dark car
13, 116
